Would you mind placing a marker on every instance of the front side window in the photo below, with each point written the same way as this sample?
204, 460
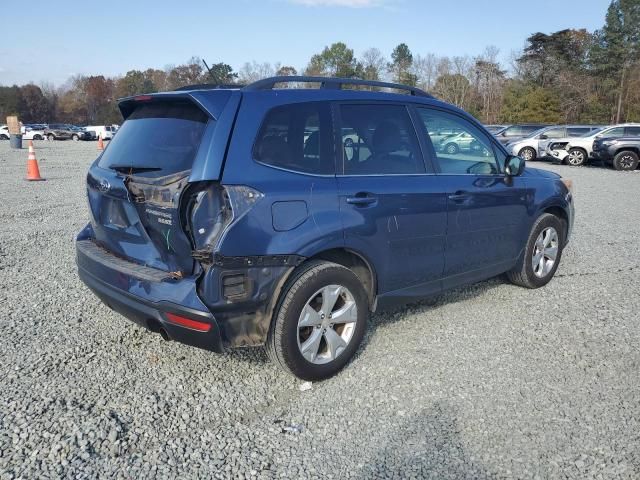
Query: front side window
467, 152
613, 132
554, 133
379, 140
514, 131
297, 137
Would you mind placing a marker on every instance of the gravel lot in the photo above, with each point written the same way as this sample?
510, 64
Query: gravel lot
489, 381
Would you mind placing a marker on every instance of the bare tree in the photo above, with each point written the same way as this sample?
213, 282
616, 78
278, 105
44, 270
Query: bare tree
489, 83
425, 69
374, 64
251, 72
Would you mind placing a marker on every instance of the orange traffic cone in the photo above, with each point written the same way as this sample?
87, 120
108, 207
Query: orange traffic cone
100, 143
33, 172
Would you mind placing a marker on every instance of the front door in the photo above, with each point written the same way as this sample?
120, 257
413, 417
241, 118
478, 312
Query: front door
486, 211
392, 207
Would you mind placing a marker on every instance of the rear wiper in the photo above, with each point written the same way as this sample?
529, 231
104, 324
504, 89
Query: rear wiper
129, 169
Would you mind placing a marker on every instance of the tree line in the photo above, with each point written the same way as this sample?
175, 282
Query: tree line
568, 76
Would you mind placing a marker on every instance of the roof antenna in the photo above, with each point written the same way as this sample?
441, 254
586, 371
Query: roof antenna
208, 69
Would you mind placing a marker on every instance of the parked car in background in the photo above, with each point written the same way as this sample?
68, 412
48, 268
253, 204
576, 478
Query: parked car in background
576, 151
64, 131
28, 133
32, 132
248, 217
58, 131
495, 128
459, 142
622, 153
534, 145
105, 131
79, 133
513, 132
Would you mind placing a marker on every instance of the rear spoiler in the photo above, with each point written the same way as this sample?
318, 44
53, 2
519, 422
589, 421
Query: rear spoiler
212, 102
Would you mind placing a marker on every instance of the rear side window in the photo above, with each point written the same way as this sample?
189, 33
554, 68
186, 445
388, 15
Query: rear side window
578, 131
297, 137
379, 140
158, 139
632, 131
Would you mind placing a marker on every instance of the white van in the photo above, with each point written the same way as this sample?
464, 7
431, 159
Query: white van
107, 131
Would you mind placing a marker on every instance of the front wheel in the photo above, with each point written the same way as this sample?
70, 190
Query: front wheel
51, 137
319, 322
528, 153
75, 138
625, 161
451, 149
542, 254
37, 137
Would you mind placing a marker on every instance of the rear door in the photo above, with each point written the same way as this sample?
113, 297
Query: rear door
392, 207
487, 212
136, 188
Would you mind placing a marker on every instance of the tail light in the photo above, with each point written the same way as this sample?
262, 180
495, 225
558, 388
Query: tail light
215, 209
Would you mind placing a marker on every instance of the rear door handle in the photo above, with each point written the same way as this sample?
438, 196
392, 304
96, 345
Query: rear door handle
460, 197
361, 199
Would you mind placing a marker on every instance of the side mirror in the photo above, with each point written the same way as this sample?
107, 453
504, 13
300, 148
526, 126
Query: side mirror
514, 166
543, 136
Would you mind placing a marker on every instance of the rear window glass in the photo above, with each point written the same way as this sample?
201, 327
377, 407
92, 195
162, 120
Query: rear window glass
158, 139
297, 137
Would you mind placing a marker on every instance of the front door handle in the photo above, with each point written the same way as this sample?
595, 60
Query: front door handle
362, 199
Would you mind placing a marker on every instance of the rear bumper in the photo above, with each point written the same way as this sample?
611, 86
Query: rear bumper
151, 315
147, 302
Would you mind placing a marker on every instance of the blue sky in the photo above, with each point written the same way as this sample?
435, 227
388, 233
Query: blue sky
113, 36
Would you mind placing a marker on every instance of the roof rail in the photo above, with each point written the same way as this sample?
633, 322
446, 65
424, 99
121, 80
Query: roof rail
208, 86
332, 83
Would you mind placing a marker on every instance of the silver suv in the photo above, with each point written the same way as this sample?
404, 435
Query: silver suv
534, 145
576, 151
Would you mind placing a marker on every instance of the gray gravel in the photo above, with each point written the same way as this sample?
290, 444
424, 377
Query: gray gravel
489, 381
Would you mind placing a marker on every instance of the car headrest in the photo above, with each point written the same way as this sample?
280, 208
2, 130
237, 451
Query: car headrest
274, 149
387, 138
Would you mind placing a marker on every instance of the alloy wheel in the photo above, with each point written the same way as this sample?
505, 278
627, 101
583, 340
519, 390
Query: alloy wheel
326, 324
626, 162
545, 252
576, 157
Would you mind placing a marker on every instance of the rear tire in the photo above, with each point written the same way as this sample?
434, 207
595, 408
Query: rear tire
75, 138
537, 252
625, 161
577, 157
37, 137
303, 338
51, 137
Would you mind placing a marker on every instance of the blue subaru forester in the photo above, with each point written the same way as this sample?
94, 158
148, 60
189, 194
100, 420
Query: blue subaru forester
281, 216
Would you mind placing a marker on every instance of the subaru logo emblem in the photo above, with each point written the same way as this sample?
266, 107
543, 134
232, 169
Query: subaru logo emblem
104, 185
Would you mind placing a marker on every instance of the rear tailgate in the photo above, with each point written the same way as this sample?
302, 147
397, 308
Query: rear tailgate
168, 145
